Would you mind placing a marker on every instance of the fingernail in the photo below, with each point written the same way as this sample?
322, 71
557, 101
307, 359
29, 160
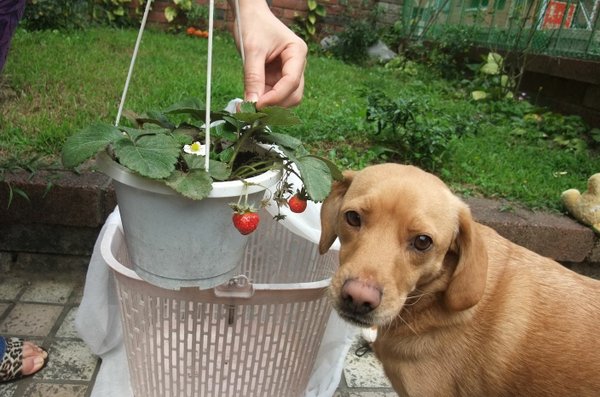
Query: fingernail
251, 97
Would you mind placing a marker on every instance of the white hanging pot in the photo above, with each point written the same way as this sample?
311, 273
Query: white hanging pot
177, 242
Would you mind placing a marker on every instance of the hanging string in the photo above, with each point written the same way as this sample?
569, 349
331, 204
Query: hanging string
238, 22
208, 67
211, 11
133, 58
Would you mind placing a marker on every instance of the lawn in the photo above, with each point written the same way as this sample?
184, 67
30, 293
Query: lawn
56, 83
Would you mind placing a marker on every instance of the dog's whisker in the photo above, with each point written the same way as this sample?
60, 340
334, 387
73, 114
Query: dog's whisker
414, 299
408, 325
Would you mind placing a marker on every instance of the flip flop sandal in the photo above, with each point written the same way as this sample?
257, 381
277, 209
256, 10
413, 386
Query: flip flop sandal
11, 359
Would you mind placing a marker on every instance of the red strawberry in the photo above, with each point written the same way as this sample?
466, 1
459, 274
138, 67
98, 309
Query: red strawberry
246, 222
297, 203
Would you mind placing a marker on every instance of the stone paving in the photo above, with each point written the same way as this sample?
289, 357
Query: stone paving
41, 307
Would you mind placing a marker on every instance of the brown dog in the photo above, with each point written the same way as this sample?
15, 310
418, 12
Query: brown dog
461, 311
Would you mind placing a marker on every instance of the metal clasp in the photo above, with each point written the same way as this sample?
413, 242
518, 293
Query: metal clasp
236, 287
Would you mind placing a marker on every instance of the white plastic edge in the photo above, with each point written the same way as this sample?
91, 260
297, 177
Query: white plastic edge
220, 189
107, 254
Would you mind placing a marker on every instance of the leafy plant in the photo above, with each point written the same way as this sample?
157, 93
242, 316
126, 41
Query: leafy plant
408, 129
111, 12
197, 15
168, 146
491, 81
56, 14
177, 8
306, 25
566, 132
352, 43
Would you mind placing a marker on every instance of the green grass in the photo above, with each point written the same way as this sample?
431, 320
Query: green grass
56, 83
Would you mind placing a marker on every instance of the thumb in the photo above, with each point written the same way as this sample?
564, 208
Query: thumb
254, 78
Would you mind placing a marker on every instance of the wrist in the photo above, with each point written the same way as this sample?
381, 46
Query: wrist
250, 8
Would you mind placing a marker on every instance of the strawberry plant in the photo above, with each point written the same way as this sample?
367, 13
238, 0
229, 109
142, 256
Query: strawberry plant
168, 146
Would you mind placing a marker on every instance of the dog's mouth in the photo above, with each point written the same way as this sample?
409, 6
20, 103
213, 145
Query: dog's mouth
356, 319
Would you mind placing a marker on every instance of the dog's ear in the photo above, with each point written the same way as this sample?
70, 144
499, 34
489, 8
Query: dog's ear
467, 283
330, 210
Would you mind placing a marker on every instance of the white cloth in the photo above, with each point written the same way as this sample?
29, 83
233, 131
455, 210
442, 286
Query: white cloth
99, 324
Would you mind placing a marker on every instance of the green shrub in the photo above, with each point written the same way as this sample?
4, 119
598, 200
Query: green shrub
111, 12
56, 14
410, 129
351, 45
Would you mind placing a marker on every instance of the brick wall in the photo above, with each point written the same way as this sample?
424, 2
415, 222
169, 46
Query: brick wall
338, 12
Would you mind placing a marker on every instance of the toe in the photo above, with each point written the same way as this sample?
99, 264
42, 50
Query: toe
34, 358
32, 364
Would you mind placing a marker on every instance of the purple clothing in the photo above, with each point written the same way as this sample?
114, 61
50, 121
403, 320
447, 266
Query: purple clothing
11, 12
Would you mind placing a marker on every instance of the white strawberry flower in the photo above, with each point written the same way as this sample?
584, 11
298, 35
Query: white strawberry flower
195, 148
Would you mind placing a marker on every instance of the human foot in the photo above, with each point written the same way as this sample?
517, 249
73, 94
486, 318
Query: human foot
19, 358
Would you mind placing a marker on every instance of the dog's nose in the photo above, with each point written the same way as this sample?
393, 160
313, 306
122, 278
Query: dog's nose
360, 297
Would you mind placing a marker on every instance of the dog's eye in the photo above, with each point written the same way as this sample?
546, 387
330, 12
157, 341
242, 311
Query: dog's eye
422, 242
353, 218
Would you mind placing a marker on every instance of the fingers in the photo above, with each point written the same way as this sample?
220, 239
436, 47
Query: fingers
277, 97
288, 81
254, 77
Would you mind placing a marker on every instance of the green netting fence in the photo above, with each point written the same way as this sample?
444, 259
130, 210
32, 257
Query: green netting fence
557, 28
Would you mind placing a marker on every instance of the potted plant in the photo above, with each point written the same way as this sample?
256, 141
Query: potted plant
178, 194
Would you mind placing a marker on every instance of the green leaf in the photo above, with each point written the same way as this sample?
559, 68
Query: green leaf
195, 184
182, 139
478, 95
312, 4
280, 117
233, 121
284, 140
191, 106
218, 170
249, 118
320, 11
312, 18
226, 155
194, 162
494, 57
88, 142
170, 13
223, 131
333, 169
136, 133
248, 107
154, 117
152, 156
490, 68
316, 177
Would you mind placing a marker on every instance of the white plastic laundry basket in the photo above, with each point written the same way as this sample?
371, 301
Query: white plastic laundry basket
257, 336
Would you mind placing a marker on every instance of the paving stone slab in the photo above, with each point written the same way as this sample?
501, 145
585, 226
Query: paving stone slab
27, 319
55, 390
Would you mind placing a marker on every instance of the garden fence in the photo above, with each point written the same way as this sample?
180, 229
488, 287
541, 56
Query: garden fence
558, 28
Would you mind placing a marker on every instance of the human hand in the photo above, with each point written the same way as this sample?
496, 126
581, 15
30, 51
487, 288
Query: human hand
275, 57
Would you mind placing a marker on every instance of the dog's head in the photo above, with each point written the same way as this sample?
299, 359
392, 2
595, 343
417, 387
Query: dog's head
403, 235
